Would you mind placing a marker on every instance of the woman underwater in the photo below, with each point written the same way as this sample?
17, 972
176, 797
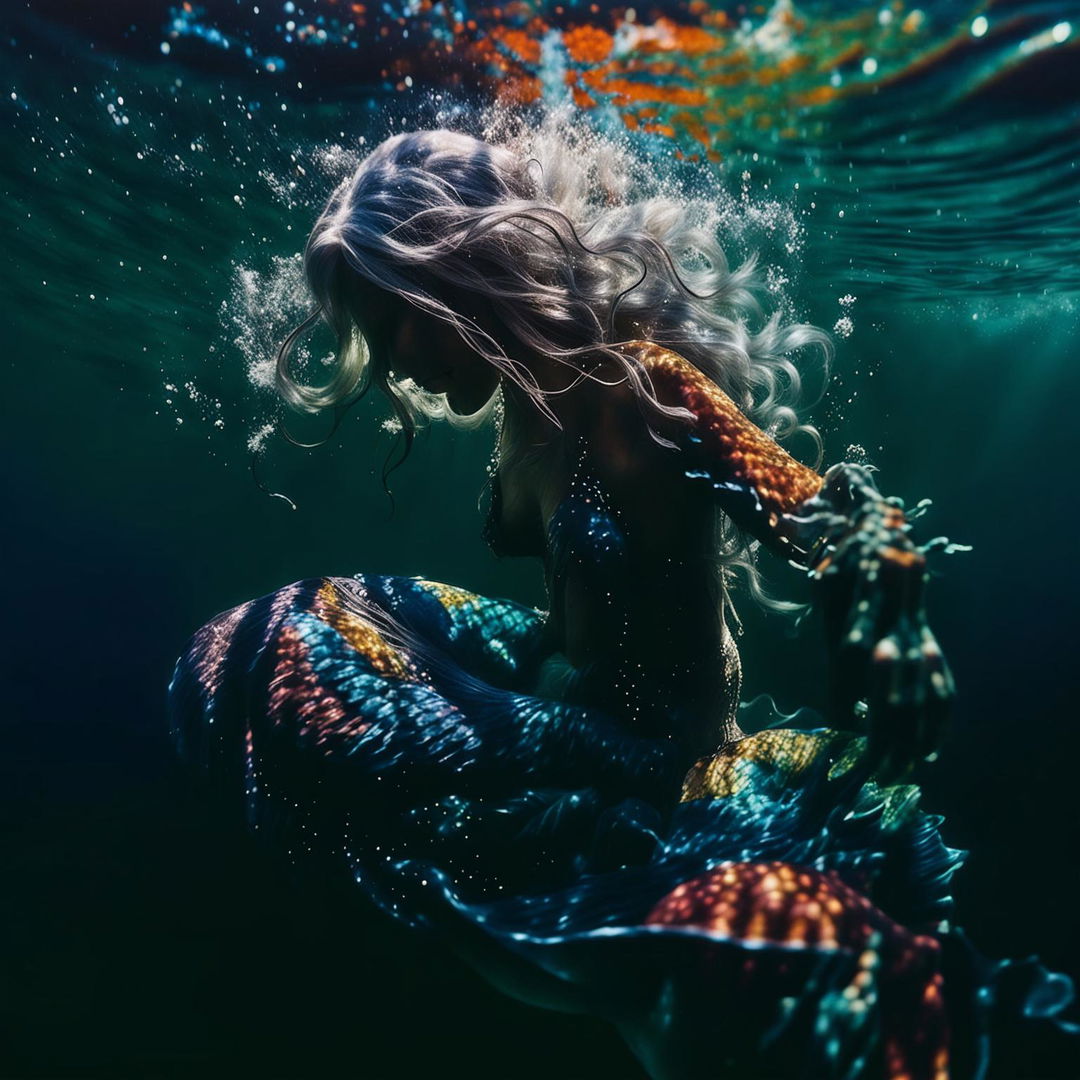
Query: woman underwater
566, 798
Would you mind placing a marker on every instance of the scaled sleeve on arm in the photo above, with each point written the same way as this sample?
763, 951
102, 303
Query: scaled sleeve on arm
755, 480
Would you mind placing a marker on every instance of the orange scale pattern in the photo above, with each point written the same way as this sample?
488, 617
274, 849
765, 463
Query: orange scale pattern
359, 633
795, 908
297, 699
788, 752
772, 903
736, 450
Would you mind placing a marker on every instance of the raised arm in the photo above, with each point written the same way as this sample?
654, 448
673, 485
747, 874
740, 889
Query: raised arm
757, 483
855, 543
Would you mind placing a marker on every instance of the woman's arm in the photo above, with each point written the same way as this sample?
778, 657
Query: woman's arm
757, 483
854, 542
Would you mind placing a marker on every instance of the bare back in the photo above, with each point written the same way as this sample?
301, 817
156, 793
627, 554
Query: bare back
646, 621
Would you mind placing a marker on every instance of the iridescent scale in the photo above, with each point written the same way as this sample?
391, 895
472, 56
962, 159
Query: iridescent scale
770, 910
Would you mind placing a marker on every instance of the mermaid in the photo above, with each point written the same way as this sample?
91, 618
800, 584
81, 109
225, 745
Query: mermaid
565, 798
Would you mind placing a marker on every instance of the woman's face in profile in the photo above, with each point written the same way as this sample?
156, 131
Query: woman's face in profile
418, 346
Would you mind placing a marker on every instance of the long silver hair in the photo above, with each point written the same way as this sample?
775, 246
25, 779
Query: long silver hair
545, 227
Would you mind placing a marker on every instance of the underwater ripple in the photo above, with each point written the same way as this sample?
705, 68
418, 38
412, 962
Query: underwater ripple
933, 149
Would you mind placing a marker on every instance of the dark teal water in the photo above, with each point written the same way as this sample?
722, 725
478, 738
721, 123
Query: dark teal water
141, 191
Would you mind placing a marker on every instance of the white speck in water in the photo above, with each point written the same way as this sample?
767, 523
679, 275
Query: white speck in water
1061, 32
166, 48
979, 26
869, 66
257, 439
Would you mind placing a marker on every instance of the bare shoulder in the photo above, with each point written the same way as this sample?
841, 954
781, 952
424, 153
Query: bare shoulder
633, 447
634, 452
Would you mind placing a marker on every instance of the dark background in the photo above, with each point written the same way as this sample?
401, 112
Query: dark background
141, 936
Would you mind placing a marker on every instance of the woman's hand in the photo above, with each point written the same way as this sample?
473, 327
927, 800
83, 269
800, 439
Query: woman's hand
885, 659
